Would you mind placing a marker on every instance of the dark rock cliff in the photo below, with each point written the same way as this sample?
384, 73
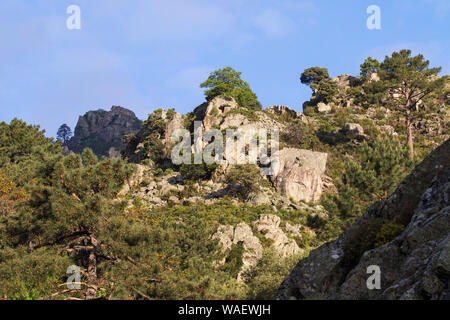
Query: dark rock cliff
102, 131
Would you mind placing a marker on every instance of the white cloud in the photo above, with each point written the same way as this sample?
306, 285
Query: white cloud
304, 6
175, 20
441, 7
273, 23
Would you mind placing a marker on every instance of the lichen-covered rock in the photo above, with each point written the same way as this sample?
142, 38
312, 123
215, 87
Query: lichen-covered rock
269, 225
241, 234
300, 174
415, 265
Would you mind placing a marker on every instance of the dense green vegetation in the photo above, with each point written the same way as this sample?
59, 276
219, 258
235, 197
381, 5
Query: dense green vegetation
57, 211
370, 176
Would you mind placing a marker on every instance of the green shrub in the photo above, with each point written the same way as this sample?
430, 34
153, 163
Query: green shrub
245, 179
197, 172
370, 176
233, 261
388, 231
266, 277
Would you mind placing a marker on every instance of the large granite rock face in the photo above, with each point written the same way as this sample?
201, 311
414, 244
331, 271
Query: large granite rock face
102, 131
415, 265
301, 172
300, 175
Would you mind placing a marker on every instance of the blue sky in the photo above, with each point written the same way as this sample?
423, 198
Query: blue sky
145, 54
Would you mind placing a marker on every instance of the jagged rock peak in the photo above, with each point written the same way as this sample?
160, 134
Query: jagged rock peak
102, 131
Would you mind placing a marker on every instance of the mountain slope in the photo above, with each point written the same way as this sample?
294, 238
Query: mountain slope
414, 265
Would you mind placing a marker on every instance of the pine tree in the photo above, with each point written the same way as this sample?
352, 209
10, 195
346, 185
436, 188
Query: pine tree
372, 176
22, 149
19, 142
73, 208
64, 134
320, 82
369, 66
408, 80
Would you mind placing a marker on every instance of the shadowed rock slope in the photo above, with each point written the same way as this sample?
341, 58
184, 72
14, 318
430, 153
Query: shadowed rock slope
414, 265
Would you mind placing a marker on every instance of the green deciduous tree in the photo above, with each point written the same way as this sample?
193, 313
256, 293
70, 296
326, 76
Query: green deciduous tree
227, 82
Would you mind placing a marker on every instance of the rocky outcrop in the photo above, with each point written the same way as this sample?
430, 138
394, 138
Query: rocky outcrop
414, 265
224, 113
135, 150
323, 108
216, 110
352, 129
300, 174
269, 225
241, 234
387, 129
102, 131
345, 81
286, 112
